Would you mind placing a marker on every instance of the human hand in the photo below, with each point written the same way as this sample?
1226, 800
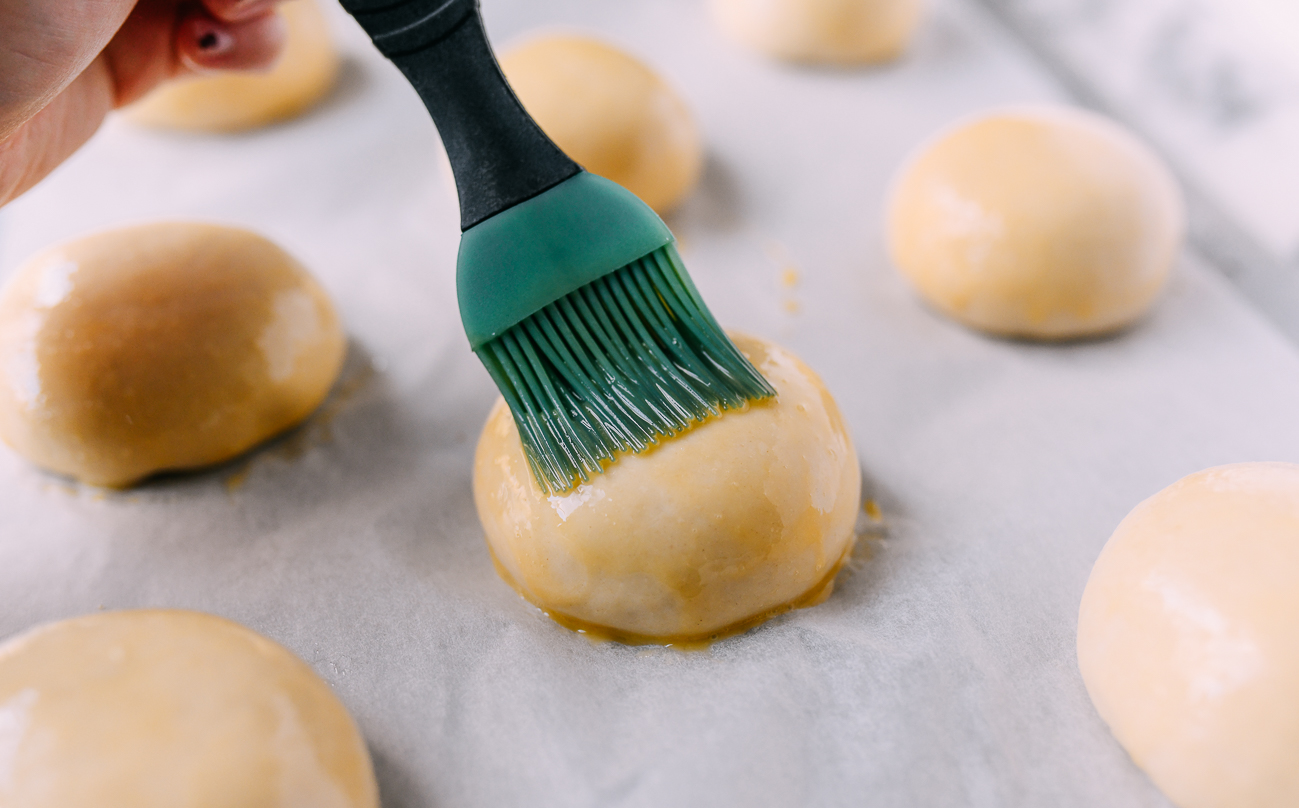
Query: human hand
64, 64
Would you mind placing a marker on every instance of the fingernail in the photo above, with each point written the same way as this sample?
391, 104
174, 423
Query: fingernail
214, 41
244, 9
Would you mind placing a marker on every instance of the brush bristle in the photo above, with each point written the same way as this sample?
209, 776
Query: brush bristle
615, 366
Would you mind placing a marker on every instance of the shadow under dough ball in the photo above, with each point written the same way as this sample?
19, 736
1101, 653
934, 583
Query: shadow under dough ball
160, 347
171, 709
1038, 222
610, 113
739, 518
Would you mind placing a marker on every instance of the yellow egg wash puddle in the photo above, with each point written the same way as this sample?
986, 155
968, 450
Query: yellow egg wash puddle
602, 635
790, 275
236, 480
870, 534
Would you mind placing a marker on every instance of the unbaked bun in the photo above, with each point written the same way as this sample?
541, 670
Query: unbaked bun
1045, 222
610, 113
157, 347
171, 709
719, 528
1188, 637
843, 32
235, 101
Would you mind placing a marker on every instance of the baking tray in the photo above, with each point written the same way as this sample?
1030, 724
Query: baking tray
941, 671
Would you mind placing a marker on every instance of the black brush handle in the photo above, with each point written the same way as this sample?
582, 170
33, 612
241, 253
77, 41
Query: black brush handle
498, 153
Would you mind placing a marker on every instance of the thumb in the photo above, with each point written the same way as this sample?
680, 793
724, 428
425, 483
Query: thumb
38, 57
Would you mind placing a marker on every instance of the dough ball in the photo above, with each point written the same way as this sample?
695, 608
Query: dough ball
235, 101
710, 532
171, 709
1042, 222
610, 113
1188, 637
162, 346
841, 32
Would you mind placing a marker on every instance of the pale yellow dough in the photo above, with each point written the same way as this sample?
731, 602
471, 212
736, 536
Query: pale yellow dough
841, 32
235, 101
610, 113
718, 528
1188, 637
171, 709
1044, 222
162, 346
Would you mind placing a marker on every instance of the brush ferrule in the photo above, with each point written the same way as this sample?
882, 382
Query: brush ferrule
531, 255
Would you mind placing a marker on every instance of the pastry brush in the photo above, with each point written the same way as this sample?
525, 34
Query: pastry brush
571, 290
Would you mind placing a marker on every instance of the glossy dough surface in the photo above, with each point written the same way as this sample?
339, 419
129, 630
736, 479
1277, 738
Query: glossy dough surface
610, 113
235, 101
1188, 637
171, 709
727, 523
826, 31
162, 346
1041, 222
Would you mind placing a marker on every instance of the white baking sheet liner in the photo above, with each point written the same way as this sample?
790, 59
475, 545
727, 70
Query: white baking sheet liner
941, 672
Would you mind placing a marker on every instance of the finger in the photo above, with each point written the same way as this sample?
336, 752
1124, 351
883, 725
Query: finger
239, 10
44, 46
38, 145
205, 43
143, 53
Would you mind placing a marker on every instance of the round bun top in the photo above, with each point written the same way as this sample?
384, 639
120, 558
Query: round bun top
1188, 637
172, 709
1041, 222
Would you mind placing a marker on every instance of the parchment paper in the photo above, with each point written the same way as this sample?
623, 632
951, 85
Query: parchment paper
942, 671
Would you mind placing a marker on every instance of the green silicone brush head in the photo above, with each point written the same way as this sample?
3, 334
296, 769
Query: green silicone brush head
579, 306
616, 366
